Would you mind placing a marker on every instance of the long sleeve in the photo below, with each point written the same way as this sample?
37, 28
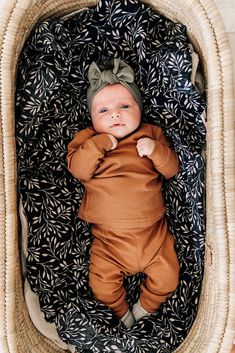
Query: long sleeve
165, 160
85, 153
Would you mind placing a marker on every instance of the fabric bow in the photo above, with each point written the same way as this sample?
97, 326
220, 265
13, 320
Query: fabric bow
121, 72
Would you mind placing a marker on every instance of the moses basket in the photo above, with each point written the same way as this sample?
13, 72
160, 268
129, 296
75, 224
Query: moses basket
214, 327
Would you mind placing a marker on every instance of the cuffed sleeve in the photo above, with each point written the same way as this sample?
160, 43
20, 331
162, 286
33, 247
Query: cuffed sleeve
163, 157
85, 153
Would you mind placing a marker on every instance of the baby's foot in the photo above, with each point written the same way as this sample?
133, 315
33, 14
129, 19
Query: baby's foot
138, 311
128, 319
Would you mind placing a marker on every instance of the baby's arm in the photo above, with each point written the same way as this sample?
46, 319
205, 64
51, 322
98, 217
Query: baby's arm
164, 159
86, 151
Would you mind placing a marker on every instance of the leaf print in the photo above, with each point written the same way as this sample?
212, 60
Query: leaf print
50, 107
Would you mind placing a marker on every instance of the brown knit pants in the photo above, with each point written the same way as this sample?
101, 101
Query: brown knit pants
115, 254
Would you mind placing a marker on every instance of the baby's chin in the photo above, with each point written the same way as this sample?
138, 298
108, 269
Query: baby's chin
121, 133
121, 136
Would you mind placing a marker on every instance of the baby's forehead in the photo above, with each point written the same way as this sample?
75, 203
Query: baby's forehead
112, 93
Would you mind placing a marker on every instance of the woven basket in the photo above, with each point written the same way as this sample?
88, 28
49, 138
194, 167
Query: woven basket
214, 328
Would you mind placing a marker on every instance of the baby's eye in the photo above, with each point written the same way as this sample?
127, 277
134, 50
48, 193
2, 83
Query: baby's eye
125, 106
102, 110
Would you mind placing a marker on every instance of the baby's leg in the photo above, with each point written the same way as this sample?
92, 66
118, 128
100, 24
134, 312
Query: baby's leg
106, 280
162, 277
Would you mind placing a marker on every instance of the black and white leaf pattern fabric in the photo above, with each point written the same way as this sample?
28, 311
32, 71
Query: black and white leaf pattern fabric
50, 108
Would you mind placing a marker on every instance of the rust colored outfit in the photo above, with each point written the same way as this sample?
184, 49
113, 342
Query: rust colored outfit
124, 203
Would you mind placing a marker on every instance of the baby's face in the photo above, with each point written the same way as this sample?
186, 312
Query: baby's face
115, 111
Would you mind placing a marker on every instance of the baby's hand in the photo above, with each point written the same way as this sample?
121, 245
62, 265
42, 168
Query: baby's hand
145, 146
114, 141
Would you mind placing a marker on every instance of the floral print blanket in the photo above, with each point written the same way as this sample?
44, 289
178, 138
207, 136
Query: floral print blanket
50, 108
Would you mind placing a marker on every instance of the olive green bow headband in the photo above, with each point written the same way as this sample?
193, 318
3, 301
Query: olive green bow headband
121, 73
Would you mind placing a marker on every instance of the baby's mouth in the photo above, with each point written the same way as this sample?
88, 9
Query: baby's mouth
116, 125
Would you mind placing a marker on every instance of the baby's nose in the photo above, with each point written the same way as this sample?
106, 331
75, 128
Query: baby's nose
115, 114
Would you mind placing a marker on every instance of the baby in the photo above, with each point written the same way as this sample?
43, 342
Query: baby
121, 162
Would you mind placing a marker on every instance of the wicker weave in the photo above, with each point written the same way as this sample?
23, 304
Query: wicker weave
214, 327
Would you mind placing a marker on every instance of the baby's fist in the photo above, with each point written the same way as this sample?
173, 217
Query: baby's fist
114, 141
145, 146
